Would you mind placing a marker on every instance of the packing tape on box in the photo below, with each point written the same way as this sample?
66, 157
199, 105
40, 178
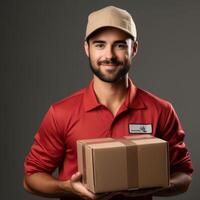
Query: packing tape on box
132, 169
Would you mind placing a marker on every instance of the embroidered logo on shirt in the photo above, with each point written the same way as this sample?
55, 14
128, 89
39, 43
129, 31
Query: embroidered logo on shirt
140, 128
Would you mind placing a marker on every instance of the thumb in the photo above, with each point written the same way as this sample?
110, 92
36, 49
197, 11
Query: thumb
76, 177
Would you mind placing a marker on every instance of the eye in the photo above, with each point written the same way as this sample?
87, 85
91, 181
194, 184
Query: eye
99, 45
121, 46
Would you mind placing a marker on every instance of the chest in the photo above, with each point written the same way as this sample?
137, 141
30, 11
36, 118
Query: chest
102, 123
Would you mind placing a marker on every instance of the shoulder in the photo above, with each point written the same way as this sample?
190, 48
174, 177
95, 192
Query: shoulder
153, 101
63, 111
163, 109
70, 102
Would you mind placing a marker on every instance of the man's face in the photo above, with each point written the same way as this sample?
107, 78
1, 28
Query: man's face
110, 52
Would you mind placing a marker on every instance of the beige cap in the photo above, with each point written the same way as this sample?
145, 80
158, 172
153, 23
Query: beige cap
111, 16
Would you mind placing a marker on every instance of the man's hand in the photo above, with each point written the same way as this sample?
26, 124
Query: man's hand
79, 189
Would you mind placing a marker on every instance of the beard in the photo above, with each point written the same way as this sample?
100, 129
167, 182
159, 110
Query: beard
112, 77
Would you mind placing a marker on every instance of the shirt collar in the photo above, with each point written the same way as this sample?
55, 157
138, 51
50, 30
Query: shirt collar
90, 99
133, 99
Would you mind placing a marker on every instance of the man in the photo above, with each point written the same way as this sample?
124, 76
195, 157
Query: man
111, 106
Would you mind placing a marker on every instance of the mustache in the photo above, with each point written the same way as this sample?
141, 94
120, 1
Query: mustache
110, 62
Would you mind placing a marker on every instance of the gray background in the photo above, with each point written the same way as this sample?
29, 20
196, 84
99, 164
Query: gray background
42, 60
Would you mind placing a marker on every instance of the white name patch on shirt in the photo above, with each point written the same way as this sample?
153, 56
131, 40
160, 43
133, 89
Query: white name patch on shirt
140, 128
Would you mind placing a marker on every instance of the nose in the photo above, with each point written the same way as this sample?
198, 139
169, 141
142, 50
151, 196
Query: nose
109, 54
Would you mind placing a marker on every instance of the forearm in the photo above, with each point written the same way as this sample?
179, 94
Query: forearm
46, 185
179, 183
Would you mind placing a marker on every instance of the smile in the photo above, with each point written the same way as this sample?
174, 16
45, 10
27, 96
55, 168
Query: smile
109, 67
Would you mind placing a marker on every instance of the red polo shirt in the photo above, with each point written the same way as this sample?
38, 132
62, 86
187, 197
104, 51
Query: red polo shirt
81, 116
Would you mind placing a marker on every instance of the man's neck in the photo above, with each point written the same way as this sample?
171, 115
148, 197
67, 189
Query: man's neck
111, 95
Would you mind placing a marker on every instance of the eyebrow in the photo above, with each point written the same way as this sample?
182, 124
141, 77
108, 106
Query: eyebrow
98, 41
115, 42
120, 41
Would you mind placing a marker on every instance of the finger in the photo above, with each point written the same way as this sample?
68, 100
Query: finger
87, 194
76, 177
79, 187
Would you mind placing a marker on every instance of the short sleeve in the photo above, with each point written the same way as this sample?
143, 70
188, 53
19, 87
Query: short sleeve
172, 131
48, 148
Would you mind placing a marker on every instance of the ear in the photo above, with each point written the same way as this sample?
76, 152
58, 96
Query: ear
86, 46
134, 48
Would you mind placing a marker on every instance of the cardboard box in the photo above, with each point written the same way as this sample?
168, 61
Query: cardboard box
132, 162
